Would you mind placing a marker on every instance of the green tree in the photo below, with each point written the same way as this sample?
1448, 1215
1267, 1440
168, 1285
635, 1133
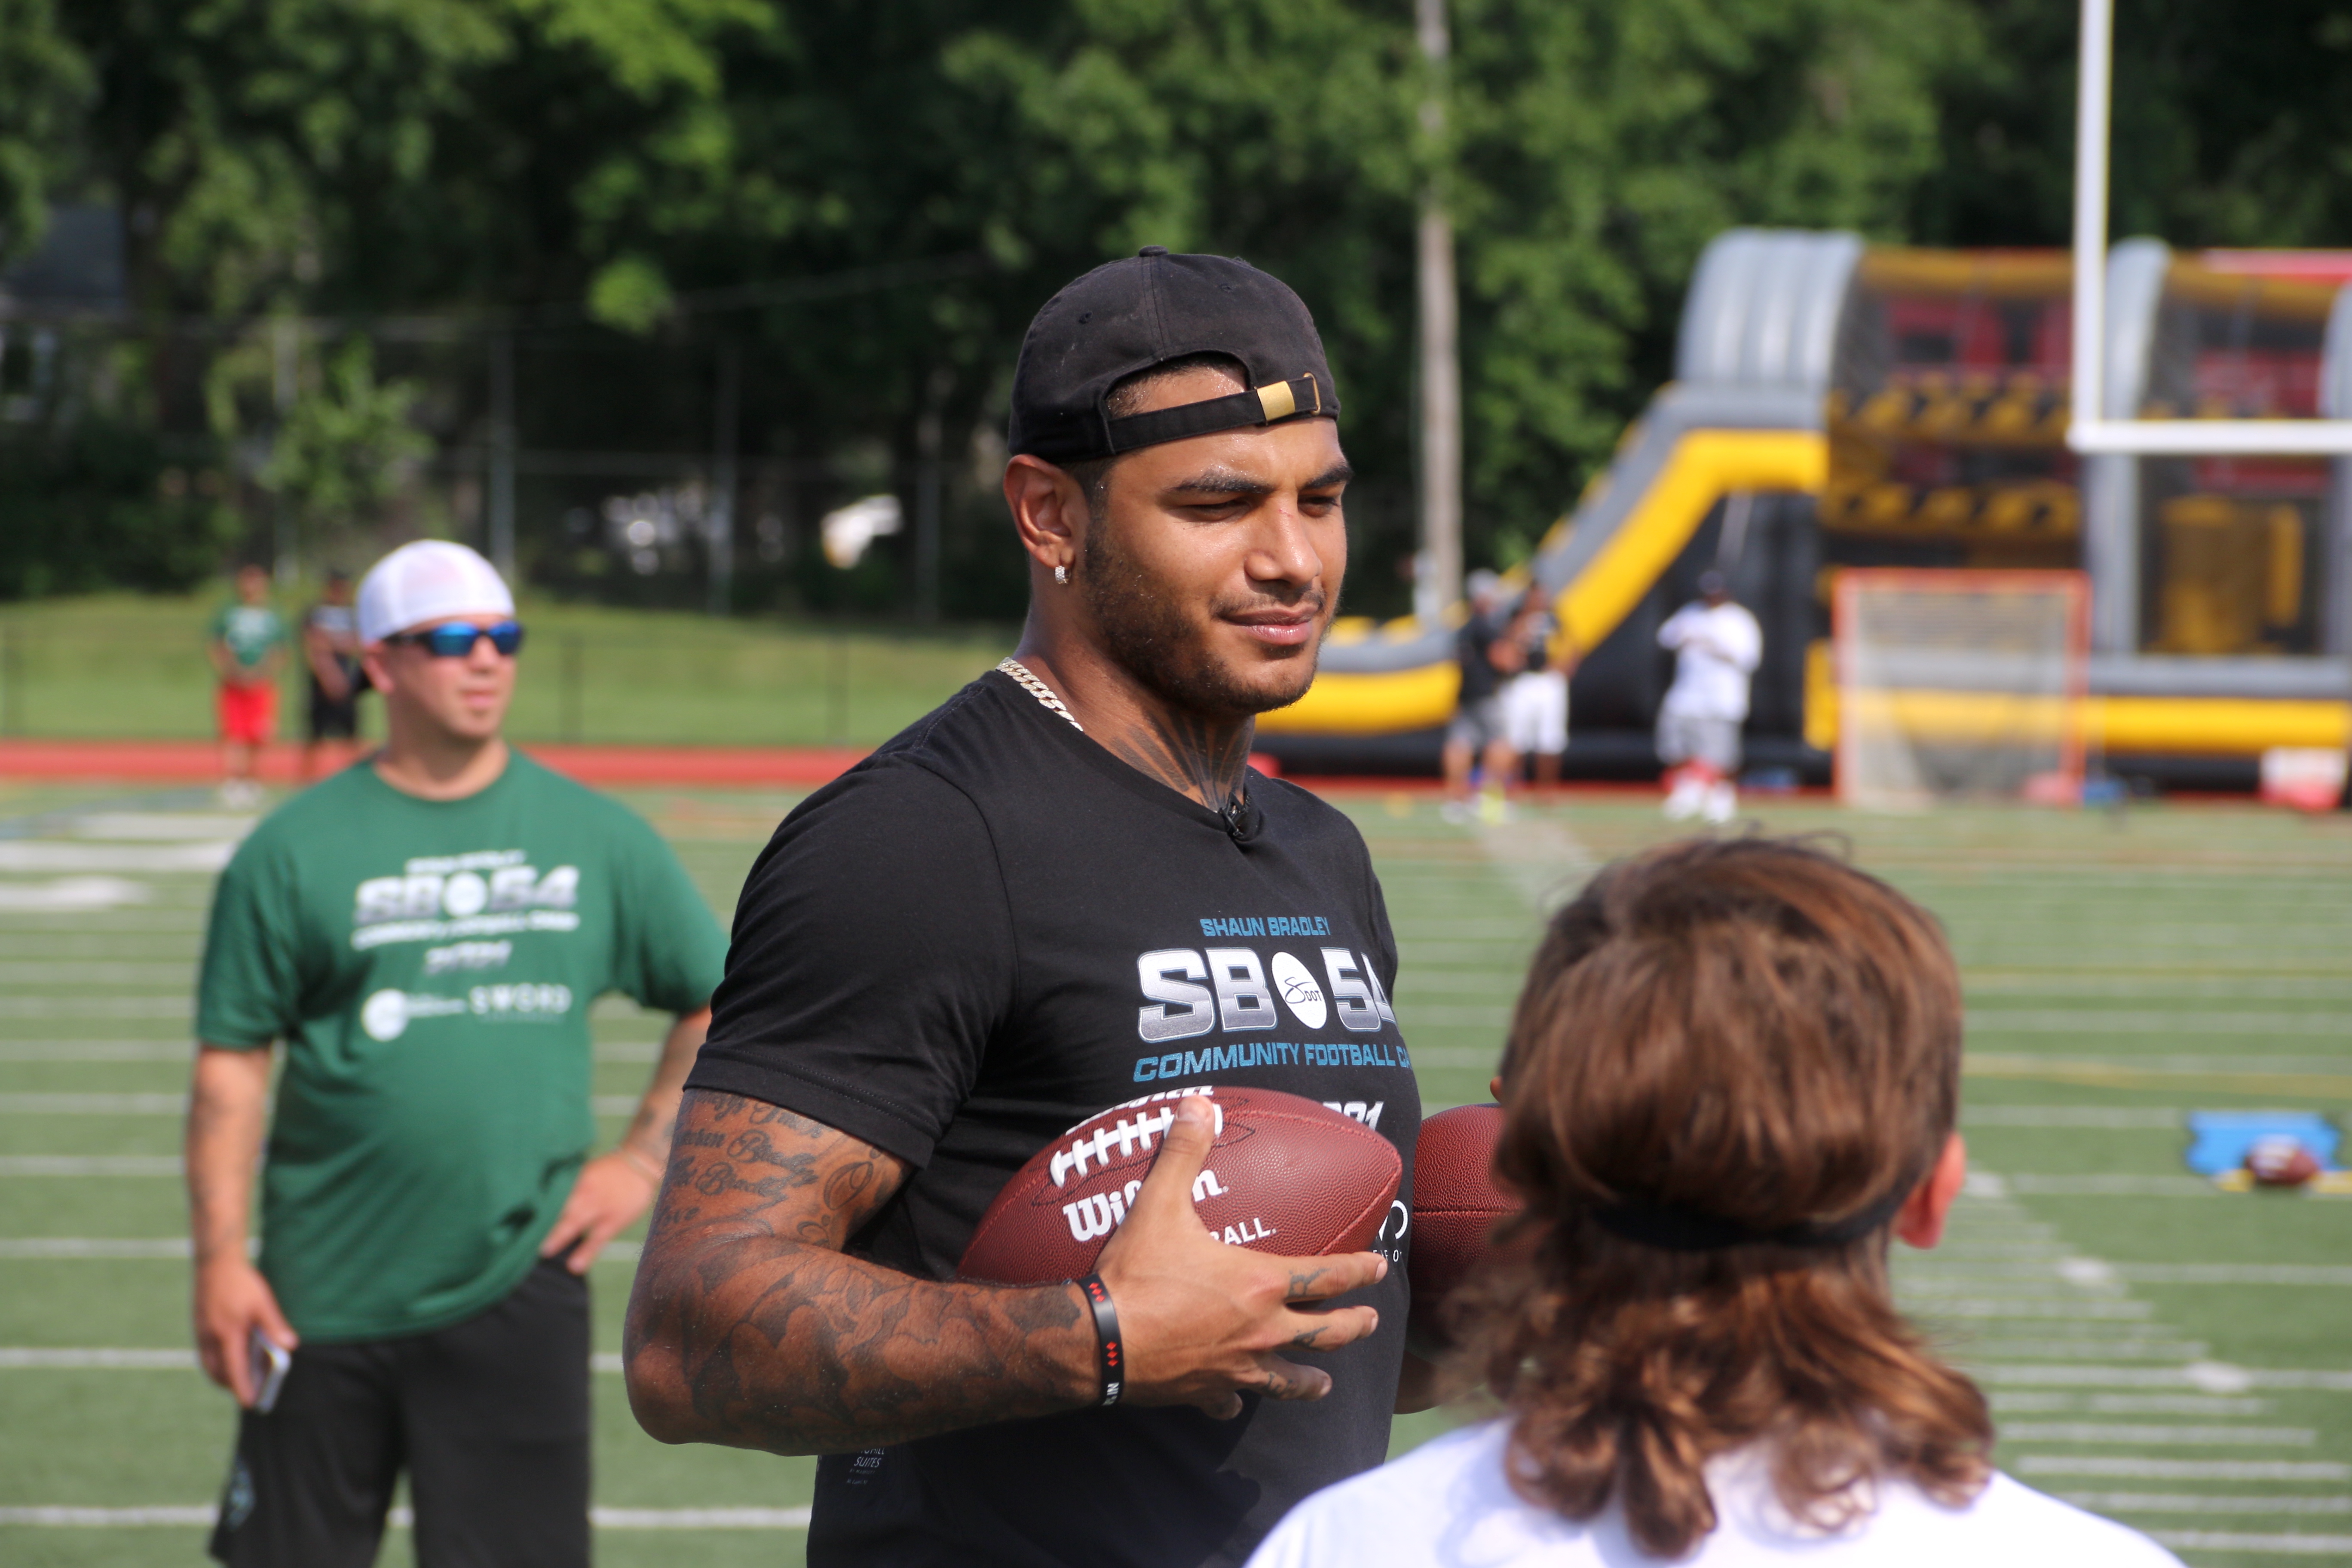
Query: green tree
340, 452
44, 83
870, 197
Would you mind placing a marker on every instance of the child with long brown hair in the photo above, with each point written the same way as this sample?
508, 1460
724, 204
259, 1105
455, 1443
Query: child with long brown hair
1734, 1073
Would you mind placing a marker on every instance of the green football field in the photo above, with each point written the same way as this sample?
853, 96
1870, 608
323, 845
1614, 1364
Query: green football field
2176, 1356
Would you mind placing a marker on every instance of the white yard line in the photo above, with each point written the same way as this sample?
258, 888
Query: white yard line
1540, 857
56, 973
71, 895
176, 1050
2207, 1502
101, 1358
2007, 1261
2063, 1308
180, 1004
2132, 1467
2063, 1021
2209, 1376
2006, 1404
2159, 1436
2235, 1541
161, 827
403, 1519
2111, 1187
88, 1358
1974, 1275
94, 1104
45, 1104
34, 854
2088, 1117
2161, 1066
2176, 1351
99, 1247
85, 1246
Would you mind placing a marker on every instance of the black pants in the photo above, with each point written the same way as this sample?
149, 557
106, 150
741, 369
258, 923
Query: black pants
489, 1417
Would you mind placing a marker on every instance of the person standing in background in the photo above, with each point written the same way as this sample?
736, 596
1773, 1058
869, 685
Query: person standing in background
1535, 700
246, 647
424, 936
1476, 734
1716, 646
330, 648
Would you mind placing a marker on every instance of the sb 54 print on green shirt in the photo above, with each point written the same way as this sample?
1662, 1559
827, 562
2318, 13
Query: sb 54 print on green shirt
430, 967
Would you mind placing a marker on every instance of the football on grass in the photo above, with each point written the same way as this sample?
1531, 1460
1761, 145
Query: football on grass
1455, 1204
2279, 1160
1285, 1176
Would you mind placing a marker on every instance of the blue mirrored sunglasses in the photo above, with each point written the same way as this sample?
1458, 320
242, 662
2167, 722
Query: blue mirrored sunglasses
455, 639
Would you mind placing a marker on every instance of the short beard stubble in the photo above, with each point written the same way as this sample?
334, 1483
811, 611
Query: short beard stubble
1145, 632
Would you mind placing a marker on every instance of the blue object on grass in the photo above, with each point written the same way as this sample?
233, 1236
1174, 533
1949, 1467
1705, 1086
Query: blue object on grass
2218, 1139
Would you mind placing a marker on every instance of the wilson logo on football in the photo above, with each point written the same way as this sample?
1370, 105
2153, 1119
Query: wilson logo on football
1104, 1212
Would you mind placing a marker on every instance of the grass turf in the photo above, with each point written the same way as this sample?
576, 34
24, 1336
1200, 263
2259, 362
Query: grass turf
2131, 1324
114, 665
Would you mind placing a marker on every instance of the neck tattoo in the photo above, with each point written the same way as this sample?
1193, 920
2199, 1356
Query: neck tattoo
1191, 757
1186, 754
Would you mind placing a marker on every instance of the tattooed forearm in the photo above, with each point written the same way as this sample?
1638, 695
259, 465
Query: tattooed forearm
748, 1327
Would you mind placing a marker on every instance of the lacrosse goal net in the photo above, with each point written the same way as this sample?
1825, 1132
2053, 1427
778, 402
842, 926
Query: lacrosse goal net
1960, 684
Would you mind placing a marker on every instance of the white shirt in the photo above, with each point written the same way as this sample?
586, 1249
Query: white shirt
1447, 1505
1716, 650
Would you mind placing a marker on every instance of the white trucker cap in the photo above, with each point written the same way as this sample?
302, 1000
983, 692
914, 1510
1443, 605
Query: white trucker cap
426, 581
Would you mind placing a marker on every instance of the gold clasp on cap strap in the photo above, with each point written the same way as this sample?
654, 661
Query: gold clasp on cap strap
1280, 400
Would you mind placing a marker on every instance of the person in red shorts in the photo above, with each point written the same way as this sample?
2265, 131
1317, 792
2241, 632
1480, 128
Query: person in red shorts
249, 643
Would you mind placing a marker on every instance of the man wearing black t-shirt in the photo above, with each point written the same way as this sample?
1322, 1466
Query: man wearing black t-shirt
1062, 890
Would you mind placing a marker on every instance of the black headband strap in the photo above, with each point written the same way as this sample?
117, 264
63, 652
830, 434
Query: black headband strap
1678, 1229
1259, 406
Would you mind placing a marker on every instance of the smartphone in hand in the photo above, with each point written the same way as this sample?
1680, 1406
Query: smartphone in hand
266, 1364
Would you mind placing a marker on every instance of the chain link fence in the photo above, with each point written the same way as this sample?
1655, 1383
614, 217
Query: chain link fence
734, 685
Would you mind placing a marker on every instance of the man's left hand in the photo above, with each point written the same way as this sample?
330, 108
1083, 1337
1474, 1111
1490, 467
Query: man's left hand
611, 1193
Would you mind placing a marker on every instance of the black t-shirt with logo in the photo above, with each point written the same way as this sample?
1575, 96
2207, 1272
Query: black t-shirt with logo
978, 938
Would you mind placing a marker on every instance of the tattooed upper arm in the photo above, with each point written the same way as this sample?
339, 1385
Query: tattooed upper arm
748, 1325
741, 1162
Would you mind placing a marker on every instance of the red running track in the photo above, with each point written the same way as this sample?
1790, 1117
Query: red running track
607, 767
199, 761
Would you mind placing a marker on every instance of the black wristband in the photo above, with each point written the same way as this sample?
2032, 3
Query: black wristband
1111, 1358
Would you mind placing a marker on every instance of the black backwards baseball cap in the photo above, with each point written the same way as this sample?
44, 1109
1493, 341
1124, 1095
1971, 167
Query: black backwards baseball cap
1143, 311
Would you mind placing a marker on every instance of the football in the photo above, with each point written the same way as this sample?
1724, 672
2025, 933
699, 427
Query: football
1456, 1204
1285, 1176
2279, 1160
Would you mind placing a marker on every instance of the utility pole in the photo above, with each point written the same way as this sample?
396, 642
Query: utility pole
718, 517
1437, 569
502, 456
927, 500
286, 345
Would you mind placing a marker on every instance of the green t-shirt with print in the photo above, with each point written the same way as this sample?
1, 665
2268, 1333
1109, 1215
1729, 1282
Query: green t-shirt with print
248, 632
430, 966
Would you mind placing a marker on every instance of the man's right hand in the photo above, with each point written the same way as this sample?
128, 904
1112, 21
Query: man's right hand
232, 1300
1203, 1320
749, 1326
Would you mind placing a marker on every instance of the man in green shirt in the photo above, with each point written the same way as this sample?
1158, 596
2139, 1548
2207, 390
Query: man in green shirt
425, 932
246, 644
